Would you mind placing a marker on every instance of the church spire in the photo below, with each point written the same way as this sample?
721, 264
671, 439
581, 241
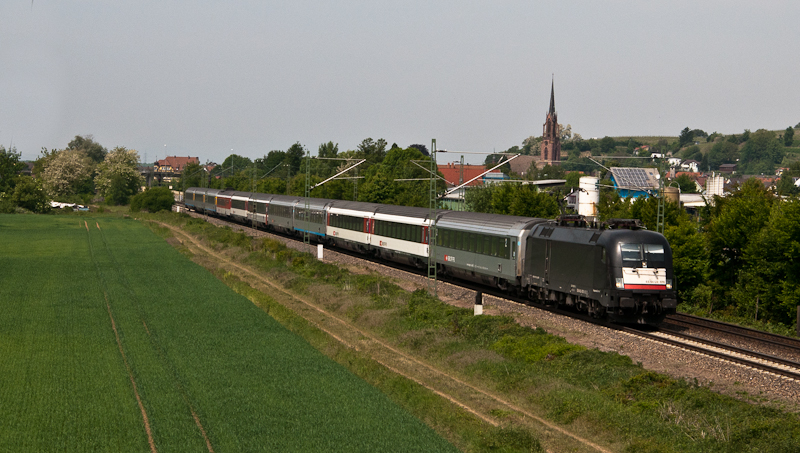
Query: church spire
552, 98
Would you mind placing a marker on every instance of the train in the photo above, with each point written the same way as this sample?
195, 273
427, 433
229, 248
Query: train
614, 270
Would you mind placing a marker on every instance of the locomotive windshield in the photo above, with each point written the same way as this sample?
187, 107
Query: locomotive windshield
642, 255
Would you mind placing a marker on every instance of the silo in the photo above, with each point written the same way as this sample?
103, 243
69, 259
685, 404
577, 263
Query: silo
588, 197
672, 194
714, 185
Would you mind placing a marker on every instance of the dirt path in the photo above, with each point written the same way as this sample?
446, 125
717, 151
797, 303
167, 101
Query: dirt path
480, 402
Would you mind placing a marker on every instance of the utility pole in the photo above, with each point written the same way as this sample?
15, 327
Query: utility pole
307, 210
462, 199
433, 204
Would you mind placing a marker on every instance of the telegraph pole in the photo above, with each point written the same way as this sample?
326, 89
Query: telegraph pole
433, 204
307, 213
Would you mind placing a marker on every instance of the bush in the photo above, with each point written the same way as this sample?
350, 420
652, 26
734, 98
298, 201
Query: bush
153, 200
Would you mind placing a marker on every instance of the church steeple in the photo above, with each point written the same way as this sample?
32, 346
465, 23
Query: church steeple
550, 150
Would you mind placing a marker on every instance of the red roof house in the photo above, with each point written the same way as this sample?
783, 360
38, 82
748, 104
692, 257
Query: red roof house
174, 164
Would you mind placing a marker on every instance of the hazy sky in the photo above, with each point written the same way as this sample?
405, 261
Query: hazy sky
202, 78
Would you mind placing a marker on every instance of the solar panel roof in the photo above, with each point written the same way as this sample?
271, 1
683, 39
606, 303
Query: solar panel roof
635, 178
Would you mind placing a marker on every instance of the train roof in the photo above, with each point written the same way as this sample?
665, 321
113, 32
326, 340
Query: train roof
379, 208
487, 223
606, 237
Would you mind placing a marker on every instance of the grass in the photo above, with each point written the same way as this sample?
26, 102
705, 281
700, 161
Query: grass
191, 345
601, 395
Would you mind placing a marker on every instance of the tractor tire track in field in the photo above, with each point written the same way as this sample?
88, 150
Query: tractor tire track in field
145, 419
155, 344
471, 398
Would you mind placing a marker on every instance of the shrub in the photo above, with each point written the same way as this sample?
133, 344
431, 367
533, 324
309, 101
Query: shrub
153, 200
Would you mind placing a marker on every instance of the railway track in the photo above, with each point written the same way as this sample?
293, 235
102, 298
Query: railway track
754, 359
751, 335
722, 350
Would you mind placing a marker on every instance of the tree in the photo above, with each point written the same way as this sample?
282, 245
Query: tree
573, 180
294, 157
761, 152
689, 256
732, 223
767, 287
153, 200
546, 172
565, 132
723, 153
607, 145
232, 164
68, 172
372, 150
493, 159
745, 136
9, 167
530, 146
193, 175
118, 177
29, 194
380, 185
271, 162
686, 137
530, 202
422, 148
87, 144
692, 152
479, 198
788, 136
328, 150
686, 184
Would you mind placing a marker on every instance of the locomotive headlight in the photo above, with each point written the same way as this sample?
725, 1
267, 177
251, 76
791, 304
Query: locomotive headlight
669, 283
620, 283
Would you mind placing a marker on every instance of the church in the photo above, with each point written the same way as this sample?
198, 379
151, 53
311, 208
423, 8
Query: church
551, 139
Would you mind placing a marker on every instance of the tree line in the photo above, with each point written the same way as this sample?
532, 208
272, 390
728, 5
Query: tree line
390, 175
77, 174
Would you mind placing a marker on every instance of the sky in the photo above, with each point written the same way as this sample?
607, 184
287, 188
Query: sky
212, 78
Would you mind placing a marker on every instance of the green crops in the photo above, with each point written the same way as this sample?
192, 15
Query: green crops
209, 367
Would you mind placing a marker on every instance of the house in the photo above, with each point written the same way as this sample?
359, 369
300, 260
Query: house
690, 165
520, 165
174, 164
674, 161
727, 168
635, 182
452, 173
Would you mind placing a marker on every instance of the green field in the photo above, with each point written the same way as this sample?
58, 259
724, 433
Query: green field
211, 370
